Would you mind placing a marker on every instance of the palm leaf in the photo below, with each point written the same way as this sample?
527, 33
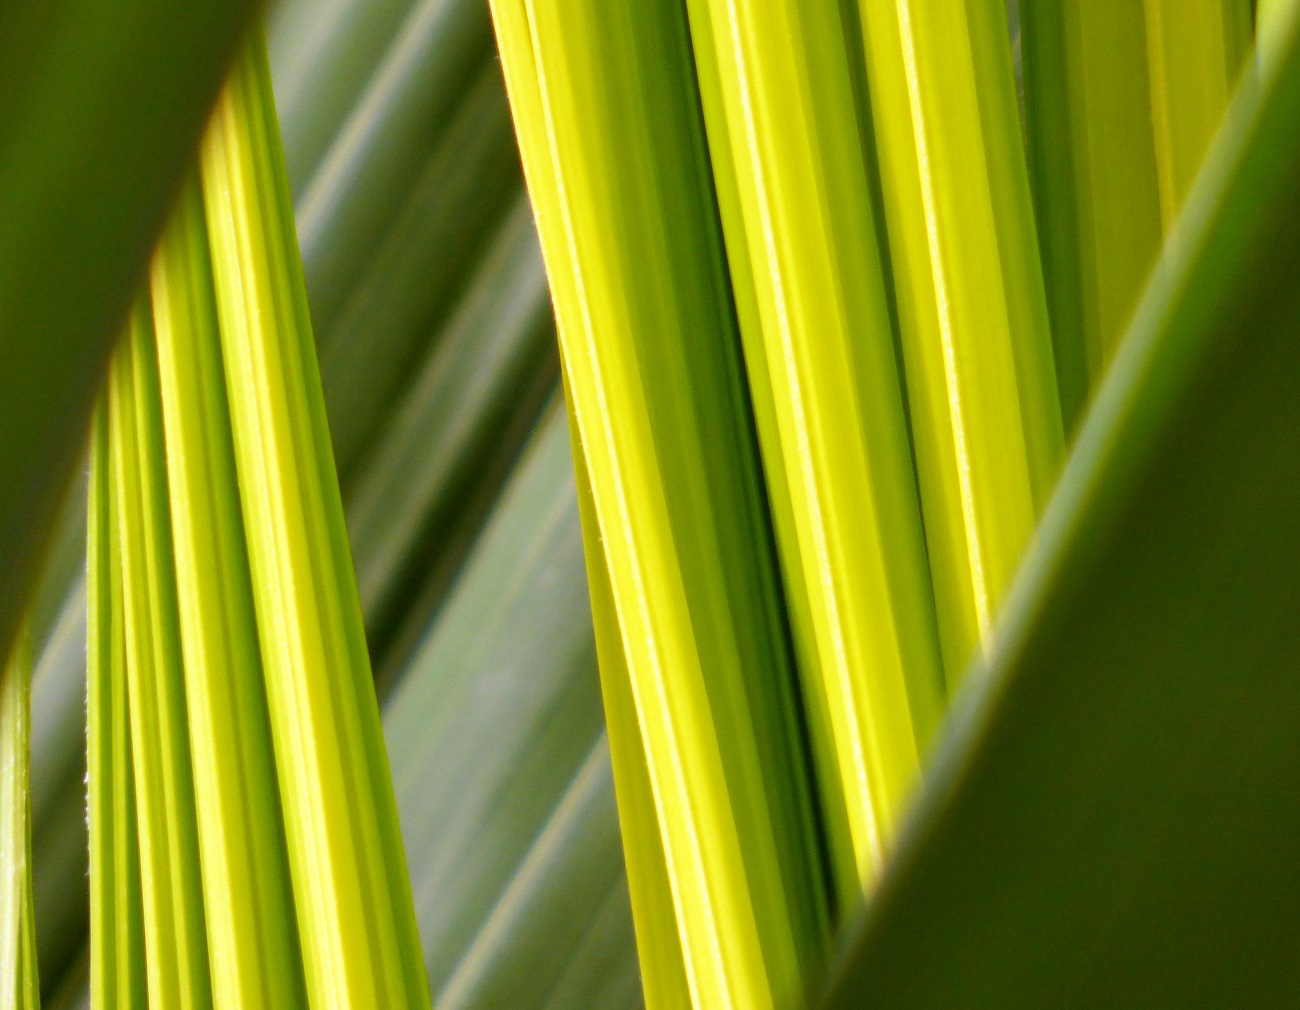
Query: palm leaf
648, 347
1195, 52
19, 985
414, 273
423, 466
116, 955
352, 893
471, 341
100, 109
663, 968
784, 130
175, 945
981, 379
1113, 804
557, 891
248, 905
509, 660
60, 833
1121, 100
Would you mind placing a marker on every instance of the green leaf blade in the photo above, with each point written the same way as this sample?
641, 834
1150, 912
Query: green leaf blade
247, 899
101, 110
19, 985
350, 882
981, 383
116, 948
176, 955
1137, 719
837, 445
613, 152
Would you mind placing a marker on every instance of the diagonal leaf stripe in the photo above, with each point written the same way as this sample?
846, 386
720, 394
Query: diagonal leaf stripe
351, 888
249, 911
176, 953
117, 960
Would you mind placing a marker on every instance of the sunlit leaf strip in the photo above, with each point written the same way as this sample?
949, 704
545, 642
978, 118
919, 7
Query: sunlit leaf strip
251, 932
787, 136
711, 740
663, 970
976, 344
19, 988
117, 953
1097, 199
351, 890
176, 956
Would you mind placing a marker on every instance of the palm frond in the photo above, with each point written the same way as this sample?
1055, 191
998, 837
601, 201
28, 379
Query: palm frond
1121, 100
1195, 52
414, 273
663, 967
248, 905
651, 360
60, 835
176, 954
100, 108
420, 471
785, 129
116, 952
509, 660
1137, 721
355, 918
981, 379
420, 567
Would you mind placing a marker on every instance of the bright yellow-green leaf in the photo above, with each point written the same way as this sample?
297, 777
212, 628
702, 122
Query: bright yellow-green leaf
1092, 157
176, 953
100, 108
351, 890
252, 936
1111, 822
659, 948
117, 974
613, 153
981, 382
1272, 18
788, 136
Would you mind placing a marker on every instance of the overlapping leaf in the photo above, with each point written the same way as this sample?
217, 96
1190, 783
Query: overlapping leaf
1115, 803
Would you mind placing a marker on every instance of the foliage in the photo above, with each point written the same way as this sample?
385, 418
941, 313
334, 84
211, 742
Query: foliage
836, 287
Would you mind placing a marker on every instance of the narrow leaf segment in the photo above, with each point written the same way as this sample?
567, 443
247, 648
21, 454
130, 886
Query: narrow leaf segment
19, 985
117, 959
614, 155
792, 165
244, 841
176, 953
249, 911
350, 886
1138, 727
981, 378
